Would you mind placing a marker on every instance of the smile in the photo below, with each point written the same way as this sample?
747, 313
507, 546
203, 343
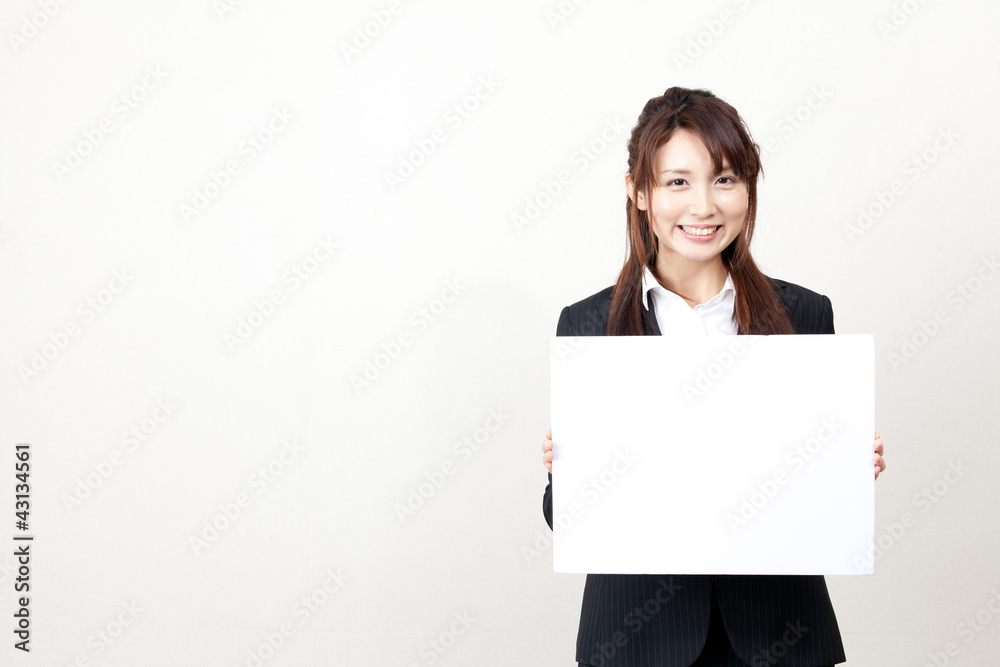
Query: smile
700, 231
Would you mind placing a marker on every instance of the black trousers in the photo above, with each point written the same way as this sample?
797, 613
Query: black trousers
718, 651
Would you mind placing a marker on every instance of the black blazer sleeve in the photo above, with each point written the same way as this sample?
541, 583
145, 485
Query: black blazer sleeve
810, 312
563, 328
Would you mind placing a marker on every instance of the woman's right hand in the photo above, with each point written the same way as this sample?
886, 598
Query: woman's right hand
547, 450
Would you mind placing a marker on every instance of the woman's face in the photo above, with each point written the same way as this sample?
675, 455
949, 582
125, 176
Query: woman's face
695, 212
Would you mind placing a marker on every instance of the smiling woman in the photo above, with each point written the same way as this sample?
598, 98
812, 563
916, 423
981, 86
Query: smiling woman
690, 215
693, 168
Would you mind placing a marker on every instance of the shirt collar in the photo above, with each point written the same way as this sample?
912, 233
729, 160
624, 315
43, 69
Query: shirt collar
649, 282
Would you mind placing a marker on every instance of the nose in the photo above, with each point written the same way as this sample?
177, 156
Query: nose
701, 204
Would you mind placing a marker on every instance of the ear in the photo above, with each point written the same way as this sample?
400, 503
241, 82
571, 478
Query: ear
641, 202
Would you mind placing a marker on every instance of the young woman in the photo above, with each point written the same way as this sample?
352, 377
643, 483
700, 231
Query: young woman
690, 214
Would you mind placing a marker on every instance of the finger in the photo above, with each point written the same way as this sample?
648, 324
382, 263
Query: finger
548, 434
548, 466
878, 447
879, 465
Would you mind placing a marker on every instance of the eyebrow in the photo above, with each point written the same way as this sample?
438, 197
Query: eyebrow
725, 167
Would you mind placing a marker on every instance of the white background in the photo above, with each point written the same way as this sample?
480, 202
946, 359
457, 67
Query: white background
878, 98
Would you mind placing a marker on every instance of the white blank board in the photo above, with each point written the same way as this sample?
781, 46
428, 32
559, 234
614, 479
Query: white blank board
716, 455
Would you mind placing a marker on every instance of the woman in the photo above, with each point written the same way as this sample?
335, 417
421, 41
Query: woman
691, 209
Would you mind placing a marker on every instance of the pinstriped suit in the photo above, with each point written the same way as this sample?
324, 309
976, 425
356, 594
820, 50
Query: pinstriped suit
663, 620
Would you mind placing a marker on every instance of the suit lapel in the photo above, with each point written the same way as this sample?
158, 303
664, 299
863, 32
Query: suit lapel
652, 326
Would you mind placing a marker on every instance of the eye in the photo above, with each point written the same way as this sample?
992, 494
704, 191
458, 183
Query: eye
676, 181
728, 180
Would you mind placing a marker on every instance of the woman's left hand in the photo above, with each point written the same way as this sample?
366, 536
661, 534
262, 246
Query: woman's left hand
879, 461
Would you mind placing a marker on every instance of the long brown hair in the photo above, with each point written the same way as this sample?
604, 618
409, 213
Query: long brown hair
758, 309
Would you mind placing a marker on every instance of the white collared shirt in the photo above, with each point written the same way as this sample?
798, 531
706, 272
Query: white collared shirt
712, 318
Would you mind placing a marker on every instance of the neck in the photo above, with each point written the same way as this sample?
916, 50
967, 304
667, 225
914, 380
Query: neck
695, 282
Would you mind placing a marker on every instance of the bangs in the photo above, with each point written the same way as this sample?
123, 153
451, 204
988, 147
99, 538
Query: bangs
726, 143
717, 125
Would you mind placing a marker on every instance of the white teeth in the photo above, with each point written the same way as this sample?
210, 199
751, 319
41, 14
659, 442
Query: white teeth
699, 231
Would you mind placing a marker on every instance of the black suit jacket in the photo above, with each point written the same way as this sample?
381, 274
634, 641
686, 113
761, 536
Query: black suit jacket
662, 620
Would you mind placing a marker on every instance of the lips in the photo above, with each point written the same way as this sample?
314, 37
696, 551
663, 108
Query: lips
700, 232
